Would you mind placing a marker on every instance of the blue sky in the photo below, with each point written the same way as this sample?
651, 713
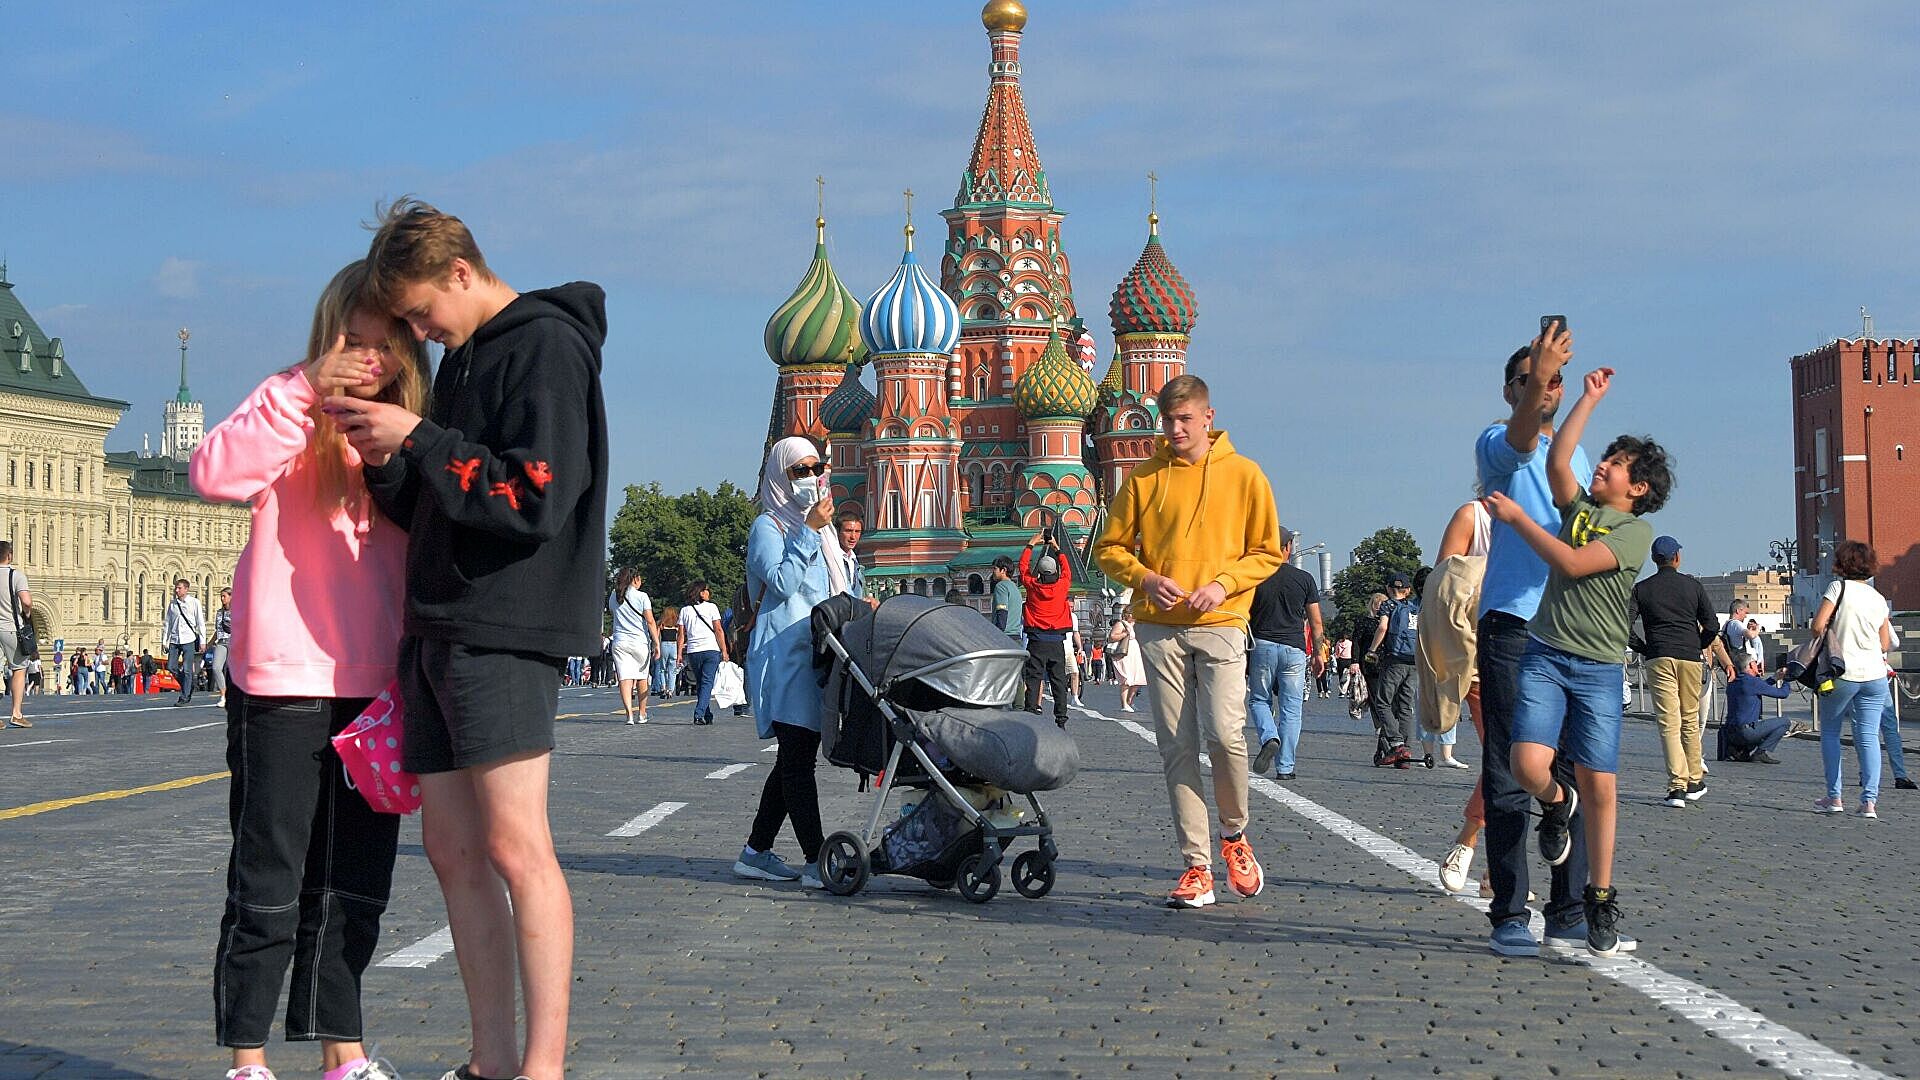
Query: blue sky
1374, 202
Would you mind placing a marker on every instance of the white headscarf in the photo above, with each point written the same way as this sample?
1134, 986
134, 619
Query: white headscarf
776, 499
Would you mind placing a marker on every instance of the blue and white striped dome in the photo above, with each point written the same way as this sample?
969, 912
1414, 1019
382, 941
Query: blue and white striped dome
910, 313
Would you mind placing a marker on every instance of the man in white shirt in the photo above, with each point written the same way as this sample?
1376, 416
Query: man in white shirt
851, 526
182, 633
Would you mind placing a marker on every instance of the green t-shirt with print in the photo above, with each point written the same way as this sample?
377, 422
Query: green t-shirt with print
1590, 616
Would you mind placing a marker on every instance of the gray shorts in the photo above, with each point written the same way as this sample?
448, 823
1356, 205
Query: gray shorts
467, 706
12, 658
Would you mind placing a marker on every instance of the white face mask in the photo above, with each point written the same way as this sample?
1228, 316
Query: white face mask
806, 491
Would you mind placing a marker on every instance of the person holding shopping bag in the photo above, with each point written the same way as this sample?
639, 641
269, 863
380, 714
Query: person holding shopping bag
316, 618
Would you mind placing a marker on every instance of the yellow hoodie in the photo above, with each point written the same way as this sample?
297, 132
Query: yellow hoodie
1214, 521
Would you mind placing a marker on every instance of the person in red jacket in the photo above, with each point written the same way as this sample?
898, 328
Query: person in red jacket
1049, 619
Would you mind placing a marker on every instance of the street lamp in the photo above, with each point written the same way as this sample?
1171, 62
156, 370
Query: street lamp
1785, 552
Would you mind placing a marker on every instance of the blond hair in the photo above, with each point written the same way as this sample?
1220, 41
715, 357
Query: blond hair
414, 242
327, 451
1182, 388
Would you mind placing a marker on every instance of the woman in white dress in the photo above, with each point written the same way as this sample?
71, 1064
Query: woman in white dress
636, 640
1123, 655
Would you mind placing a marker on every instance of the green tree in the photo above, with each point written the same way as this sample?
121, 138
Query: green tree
675, 540
1378, 558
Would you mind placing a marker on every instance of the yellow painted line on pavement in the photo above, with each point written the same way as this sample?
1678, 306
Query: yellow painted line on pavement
106, 796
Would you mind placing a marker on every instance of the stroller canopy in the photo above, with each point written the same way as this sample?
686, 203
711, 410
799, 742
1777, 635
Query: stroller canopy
945, 647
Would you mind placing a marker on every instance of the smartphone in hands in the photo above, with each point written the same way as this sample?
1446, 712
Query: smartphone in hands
1547, 322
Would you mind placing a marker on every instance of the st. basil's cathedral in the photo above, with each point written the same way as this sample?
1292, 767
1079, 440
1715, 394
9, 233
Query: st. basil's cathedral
986, 422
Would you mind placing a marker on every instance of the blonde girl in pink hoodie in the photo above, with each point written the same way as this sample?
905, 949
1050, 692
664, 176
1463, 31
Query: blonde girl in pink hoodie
317, 601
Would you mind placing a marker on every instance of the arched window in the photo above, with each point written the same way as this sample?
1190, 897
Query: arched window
939, 586
920, 586
975, 586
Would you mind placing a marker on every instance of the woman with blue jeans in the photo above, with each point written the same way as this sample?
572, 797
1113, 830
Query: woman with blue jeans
706, 647
1854, 616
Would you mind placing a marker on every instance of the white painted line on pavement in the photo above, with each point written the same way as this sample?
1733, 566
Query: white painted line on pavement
120, 712
649, 819
422, 953
770, 749
37, 742
1771, 1045
191, 727
728, 770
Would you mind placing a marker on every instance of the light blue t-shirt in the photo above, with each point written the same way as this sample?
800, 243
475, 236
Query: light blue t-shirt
1516, 576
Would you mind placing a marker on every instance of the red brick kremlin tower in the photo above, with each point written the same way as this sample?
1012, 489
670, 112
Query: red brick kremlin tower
976, 432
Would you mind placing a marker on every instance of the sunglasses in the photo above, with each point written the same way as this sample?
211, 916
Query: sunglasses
815, 469
1552, 384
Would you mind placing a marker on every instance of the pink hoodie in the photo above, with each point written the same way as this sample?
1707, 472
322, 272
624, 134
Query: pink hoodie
317, 596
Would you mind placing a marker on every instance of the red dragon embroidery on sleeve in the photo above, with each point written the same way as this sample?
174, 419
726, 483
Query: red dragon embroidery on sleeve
508, 489
466, 471
539, 474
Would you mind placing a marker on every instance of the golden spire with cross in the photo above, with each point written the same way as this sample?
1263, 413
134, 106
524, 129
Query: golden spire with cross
1153, 203
909, 195
820, 200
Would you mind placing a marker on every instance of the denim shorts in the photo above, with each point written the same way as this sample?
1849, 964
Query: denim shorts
1555, 688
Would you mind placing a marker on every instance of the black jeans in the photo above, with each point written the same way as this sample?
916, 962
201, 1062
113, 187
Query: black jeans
308, 878
182, 660
1392, 698
1049, 659
1502, 639
790, 793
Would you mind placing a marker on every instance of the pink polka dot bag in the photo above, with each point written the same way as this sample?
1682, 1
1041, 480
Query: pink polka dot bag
370, 749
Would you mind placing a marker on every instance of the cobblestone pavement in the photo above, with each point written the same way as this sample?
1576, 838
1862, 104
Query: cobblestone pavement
1346, 965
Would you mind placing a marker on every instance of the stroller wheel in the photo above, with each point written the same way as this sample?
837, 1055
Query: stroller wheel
1033, 875
843, 864
974, 885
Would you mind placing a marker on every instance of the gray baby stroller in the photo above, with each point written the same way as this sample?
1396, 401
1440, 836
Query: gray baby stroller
919, 694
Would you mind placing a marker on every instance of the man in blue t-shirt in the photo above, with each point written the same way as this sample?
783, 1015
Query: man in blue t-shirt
1511, 458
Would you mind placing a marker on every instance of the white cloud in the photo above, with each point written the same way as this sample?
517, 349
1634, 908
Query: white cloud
177, 278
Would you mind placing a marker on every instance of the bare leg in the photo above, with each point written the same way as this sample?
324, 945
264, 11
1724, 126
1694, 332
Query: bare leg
640, 695
1598, 795
17, 691
455, 837
1533, 770
512, 797
626, 696
1469, 835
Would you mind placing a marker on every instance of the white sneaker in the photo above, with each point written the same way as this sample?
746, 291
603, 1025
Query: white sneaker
1455, 763
374, 1069
1126, 708
1453, 868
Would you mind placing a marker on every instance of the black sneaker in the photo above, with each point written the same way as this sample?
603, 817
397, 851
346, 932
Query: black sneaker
1603, 921
1761, 757
1696, 789
1555, 829
1283, 776
1904, 784
1677, 797
1263, 760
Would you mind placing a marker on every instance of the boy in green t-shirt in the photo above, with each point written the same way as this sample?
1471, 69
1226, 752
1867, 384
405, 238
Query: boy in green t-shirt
1571, 673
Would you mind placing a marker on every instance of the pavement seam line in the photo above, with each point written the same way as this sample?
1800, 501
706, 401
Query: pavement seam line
1770, 1044
106, 796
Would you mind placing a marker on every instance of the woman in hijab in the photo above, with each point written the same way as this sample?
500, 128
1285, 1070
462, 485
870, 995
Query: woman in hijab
793, 563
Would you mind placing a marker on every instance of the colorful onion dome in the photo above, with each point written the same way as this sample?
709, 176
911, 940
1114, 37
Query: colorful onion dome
849, 407
1004, 15
1055, 386
1116, 379
818, 323
1153, 298
910, 313
1085, 352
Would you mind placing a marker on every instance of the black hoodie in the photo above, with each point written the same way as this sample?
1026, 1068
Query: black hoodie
503, 489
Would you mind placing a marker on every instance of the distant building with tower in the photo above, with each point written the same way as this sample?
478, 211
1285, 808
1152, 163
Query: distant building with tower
101, 536
986, 420
1856, 463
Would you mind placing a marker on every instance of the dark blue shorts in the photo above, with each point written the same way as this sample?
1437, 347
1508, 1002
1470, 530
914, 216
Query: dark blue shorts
465, 706
1556, 688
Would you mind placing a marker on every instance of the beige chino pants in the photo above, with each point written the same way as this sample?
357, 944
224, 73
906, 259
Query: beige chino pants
1197, 688
1676, 708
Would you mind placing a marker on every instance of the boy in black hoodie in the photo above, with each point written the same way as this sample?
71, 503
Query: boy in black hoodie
503, 491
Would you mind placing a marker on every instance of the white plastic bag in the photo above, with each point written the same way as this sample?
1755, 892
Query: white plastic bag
729, 686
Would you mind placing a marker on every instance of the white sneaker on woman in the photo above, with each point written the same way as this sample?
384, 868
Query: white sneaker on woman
1453, 868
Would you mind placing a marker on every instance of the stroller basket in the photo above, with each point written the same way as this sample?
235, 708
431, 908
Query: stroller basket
928, 842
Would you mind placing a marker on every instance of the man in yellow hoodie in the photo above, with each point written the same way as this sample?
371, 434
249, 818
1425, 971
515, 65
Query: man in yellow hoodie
1191, 532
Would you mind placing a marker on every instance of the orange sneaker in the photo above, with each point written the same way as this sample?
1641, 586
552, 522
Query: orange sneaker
1243, 870
1195, 889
